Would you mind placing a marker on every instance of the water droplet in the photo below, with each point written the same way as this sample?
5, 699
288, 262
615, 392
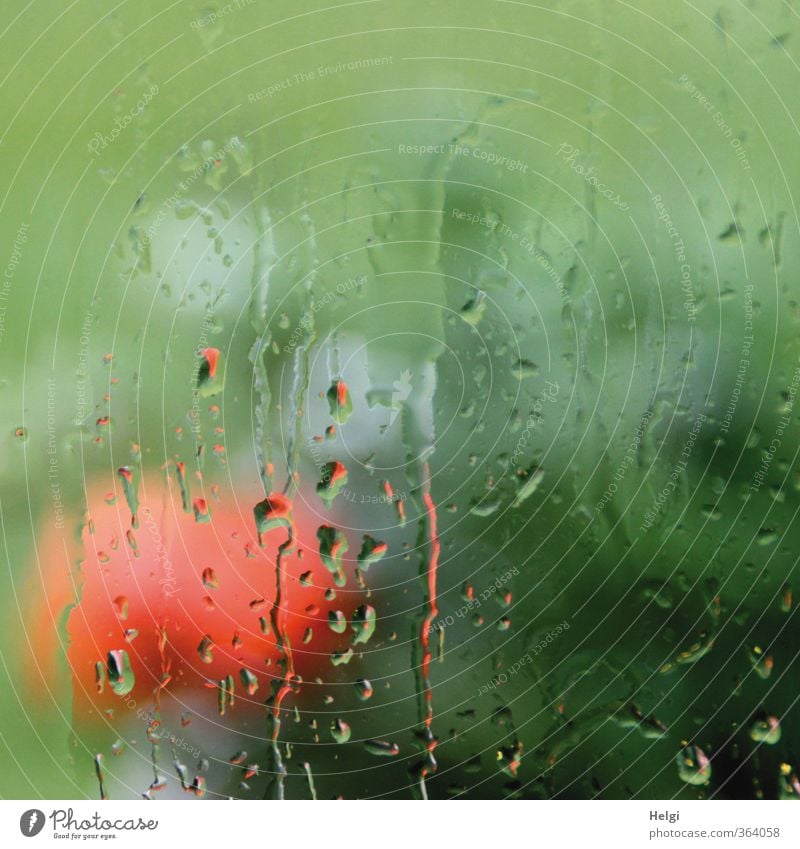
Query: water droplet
766, 536
207, 371
484, 506
121, 606
334, 477
363, 689
766, 729
249, 681
205, 649
198, 787
104, 425
337, 621
341, 406
99, 676
523, 369
201, 512
692, 654
241, 153
120, 674
789, 783
363, 624
658, 592
332, 547
130, 488
340, 658
381, 748
472, 312
275, 511
183, 484
761, 662
340, 731
731, 235
225, 694
530, 483
693, 765
629, 716
371, 551
509, 758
